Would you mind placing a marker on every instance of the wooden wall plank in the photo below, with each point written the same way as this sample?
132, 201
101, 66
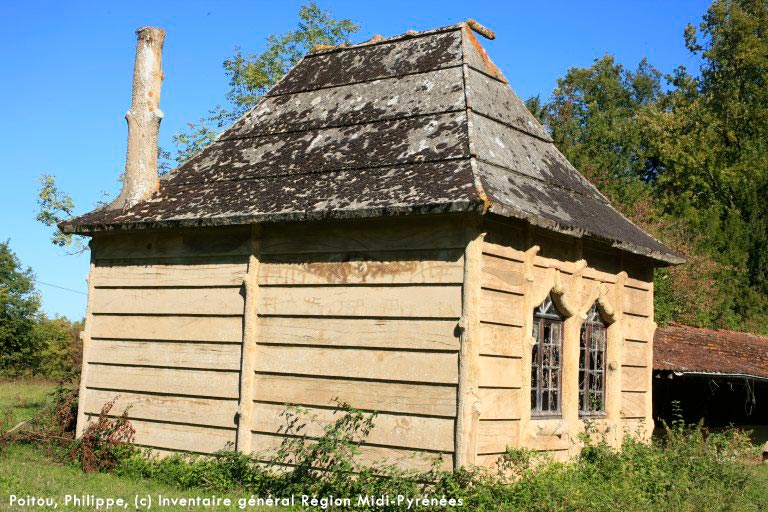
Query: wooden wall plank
496, 436
201, 273
501, 340
634, 378
636, 302
500, 404
414, 233
546, 443
417, 432
360, 332
406, 301
264, 446
172, 328
635, 353
212, 356
500, 372
165, 380
632, 404
372, 396
636, 283
181, 301
502, 251
433, 367
172, 243
190, 438
176, 409
502, 274
500, 308
412, 267
638, 328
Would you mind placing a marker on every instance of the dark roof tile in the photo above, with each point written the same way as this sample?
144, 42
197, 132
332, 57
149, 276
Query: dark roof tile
680, 348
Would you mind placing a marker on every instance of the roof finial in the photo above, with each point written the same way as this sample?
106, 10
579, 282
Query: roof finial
480, 29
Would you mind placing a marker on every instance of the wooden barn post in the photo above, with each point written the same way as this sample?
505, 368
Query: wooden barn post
85, 336
250, 338
468, 399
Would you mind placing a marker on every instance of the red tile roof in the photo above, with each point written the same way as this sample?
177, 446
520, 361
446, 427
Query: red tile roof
689, 349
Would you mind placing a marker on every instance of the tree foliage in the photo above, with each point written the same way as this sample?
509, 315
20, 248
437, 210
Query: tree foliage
53, 207
686, 157
19, 306
30, 342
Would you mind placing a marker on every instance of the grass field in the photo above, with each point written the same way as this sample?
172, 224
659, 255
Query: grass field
26, 470
21, 398
29, 471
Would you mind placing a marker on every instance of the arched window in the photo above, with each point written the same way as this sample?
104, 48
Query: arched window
546, 374
592, 364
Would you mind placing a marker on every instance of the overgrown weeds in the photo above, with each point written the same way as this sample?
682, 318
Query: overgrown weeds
106, 440
688, 468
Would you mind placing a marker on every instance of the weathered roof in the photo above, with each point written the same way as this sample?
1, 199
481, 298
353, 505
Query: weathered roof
684, 349
418, 123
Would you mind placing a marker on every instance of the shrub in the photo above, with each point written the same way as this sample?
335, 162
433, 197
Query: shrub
105, 441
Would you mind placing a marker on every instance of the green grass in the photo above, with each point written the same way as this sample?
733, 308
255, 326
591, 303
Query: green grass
29, 470
19, 399
26, 470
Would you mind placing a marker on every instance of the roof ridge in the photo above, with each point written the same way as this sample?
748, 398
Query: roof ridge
378, 40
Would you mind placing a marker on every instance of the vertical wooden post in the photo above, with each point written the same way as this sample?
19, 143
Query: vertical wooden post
85, 336
649, 424
468, 398
250, 338
527, 339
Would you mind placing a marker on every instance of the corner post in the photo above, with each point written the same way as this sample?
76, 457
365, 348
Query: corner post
468, 393
250, 339
85, 336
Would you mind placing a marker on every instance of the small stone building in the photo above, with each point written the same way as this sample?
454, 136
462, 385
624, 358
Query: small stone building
391, 227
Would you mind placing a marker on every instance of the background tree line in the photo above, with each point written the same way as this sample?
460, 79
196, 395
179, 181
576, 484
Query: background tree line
684, 154
30, 342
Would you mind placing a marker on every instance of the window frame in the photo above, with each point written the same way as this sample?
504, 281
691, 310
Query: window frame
594, 320
545, 315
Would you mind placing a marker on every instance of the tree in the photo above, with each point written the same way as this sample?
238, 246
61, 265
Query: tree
592, 116
19, 306
711, 132
688, 164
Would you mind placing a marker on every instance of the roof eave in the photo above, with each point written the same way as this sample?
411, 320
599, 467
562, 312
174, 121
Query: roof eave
536, 220
86, 229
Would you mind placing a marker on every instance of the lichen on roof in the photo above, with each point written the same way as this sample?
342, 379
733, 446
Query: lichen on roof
418, 123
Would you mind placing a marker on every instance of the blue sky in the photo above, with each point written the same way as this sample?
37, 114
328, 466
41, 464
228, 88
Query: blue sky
67, 66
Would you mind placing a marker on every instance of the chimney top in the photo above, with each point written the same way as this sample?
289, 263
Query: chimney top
141, 179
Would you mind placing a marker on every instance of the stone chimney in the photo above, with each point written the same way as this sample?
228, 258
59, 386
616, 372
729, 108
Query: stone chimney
141, 180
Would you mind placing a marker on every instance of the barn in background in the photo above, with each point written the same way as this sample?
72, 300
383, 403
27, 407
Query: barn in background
389, 226
718, 377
